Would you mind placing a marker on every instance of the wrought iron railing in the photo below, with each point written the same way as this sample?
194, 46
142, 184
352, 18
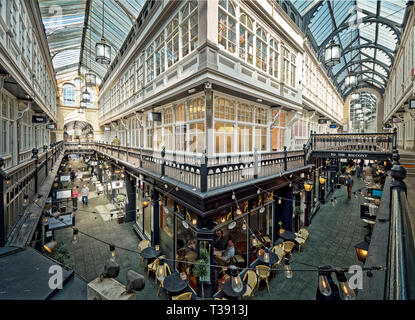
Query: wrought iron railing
375, 142
201, 172
392, 244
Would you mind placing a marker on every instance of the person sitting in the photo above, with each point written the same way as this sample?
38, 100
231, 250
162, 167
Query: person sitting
219, 242
225, 256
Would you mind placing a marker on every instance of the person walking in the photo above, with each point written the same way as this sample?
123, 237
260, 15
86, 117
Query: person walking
85, 195
75, 195
116, 141
73, 174
349, 185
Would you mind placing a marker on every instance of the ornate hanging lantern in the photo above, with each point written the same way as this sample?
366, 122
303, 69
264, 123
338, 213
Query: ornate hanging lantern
102, 49
90, 77
332, 54
86, 97
350, 80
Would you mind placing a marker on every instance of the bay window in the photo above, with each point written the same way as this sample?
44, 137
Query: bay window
246, 39
261, 49
140, 72
224, 133
273, 57
227, 25
160, 54
173, 41
150, 63
189, 27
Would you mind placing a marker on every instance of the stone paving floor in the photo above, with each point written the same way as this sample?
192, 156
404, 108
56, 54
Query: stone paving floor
333, 233
87, 257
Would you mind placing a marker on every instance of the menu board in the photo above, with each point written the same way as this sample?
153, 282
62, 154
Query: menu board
118, 184
64, 194
65, 178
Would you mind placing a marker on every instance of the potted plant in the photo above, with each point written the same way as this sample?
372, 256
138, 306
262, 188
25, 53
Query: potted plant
201, 268
281, 229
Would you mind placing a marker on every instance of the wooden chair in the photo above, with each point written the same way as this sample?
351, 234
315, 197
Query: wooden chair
288, 247
143, 245
263, 273
250, 284
301, 238
183, 296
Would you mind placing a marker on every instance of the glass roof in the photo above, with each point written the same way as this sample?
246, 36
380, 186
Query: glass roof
368, 32
68, 24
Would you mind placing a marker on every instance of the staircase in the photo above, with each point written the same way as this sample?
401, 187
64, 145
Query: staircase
407, 160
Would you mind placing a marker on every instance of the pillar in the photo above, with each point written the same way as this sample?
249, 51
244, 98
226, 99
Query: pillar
130, 207
155, 233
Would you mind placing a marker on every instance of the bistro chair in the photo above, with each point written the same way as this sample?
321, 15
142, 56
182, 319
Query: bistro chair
250, 284
167, 271
143, 245
288, 247
279, 251
152, 267
183, 296
301, 238
263, 273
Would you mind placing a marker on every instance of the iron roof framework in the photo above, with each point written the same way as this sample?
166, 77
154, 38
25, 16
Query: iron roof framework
368, 32
68, 24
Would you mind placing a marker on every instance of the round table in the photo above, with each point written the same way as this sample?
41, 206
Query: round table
287, 235
173, 283
227, 289
273, 258
150, 253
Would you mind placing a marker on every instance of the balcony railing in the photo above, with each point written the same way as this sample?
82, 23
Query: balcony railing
391, 245
20, 181
202, 173
375, 142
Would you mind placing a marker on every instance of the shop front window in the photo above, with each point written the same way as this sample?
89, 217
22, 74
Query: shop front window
167, 227
186, 253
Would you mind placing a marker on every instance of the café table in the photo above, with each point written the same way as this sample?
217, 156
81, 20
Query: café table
227, 289
273, 258
173, 283
150, 254
287, 235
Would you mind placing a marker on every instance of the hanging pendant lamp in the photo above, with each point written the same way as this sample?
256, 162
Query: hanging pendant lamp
90, 77
102, 49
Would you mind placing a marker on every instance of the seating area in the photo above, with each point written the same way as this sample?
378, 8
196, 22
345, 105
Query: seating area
270, 261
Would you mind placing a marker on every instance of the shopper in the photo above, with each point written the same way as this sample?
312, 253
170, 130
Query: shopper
75, 195
349, 185
85, 195
116, 141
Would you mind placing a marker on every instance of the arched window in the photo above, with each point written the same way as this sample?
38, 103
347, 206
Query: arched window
68, 93
292, 16
227, 25
273, 57
78, 82
284, 7
246, 39
261, 49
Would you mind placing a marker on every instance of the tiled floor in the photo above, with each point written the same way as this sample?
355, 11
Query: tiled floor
333, 233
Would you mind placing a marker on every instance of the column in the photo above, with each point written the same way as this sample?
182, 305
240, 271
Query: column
155, 233
130, 207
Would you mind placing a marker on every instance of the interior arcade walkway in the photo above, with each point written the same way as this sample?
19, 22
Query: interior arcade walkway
333, 233
87, 257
